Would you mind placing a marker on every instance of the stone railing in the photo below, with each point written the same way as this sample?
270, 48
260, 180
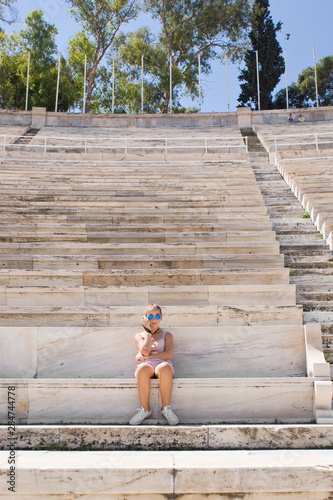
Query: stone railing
125, 145
38, 117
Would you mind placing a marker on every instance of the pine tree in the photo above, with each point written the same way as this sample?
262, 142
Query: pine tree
271, 63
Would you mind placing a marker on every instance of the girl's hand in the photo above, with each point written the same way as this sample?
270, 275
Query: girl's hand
145, 322
140, 357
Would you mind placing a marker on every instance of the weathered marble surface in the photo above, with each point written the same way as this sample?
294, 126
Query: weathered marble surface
97, 316
100, 401
174, 293
18, 353
311, 179
329, 240
201, 352
158, 437
195, 496
185, 472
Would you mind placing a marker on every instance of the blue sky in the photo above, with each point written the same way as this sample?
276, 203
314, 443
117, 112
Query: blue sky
309, 23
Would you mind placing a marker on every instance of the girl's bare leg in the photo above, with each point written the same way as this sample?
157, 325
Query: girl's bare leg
143, 374
164, 373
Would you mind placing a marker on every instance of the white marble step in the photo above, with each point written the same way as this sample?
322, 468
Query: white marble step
200, 352
112, 171
185, 315
105, 226
245, 190
17, 278
64, 170
165, 437
132, 190
179, 199
198, 247
149, 475
266, 400
229, 295
253, 214
207, 238
170, 266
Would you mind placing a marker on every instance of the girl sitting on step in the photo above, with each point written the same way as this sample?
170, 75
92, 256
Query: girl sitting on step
156, 348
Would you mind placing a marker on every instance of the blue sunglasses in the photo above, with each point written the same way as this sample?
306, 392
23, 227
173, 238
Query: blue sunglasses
151, 316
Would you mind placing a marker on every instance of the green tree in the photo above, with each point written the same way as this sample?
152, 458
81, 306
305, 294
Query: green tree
13, 71
155, 68
102, 20
79, 48
307, 86
129, 50
303, 94
39, 39
271, 63
193, 27
295, 97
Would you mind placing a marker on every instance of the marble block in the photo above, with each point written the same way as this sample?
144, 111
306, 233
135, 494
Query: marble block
51, 296
253, 471
267, 474
100, 472
239, 352
165, 437
109, 352
329, 241
18, 353
253, 295
195, 401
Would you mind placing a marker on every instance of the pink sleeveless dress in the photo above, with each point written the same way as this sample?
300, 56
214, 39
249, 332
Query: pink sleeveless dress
157, 346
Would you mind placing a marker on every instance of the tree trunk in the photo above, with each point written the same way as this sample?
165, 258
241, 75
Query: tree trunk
91, 85
165, 106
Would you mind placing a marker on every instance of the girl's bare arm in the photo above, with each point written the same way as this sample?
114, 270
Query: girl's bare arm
166, 354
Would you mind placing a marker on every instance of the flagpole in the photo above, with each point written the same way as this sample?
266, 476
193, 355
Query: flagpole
58, 81
27, 91
141, 84
258, 85
199, 65
170, 85
287, 91
315, 70
113, 82
226, 77
84, 83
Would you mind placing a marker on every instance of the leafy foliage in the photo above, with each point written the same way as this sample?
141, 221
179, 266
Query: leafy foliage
303, 94
271, 63
38, 38
193, 27
128, 74
80, 47
101, 20
295, 97
13, 72
306, 82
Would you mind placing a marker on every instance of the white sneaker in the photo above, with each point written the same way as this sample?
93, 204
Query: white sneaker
170, 416
140, 416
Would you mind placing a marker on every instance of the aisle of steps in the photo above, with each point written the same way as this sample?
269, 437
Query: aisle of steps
84, 248
27, 137
306, 254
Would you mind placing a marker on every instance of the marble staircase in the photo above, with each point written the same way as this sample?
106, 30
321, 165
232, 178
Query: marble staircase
84, 246
301, 209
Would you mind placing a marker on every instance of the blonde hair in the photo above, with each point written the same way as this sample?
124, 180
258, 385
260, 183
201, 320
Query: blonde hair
153, 306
